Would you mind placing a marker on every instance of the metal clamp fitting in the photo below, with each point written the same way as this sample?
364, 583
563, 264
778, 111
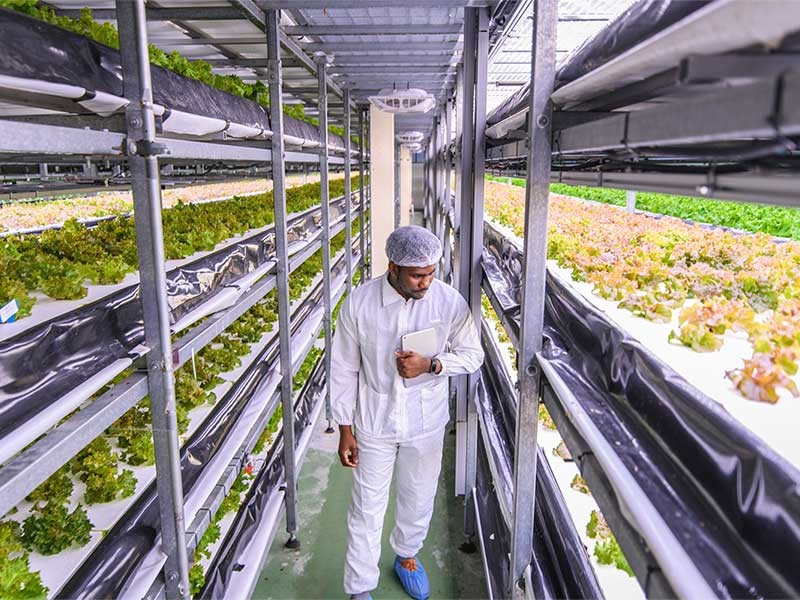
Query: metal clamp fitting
147, 148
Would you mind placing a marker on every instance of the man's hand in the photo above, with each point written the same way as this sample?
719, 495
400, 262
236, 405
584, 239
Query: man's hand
411, 364
348, 448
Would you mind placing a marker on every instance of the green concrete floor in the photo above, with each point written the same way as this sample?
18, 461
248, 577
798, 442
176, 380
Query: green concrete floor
315, 569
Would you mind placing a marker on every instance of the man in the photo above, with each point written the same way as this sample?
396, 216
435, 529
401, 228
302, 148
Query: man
383, 416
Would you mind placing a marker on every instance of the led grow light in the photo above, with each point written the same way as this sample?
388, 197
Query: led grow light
410, 137
413, 100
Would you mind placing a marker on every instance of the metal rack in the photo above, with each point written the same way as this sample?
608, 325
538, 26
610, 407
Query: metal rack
695, 144
134, 139
599, 131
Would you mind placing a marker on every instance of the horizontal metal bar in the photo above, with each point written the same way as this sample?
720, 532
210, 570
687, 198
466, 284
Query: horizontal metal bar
409, 29
761, 187
335, 47
22, 474
215, 41
374, 82
730, 115
398, 80
239, 63
30, 138
196, 13
400, 68
381, 59
341, 4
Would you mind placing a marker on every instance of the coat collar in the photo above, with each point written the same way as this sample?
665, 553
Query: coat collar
389, 295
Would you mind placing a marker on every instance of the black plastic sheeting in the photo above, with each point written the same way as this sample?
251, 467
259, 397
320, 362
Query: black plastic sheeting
32, 49
42, 364
560, 563
495, 533
510, 106
232, 552
639, 22
107, 570
733, 502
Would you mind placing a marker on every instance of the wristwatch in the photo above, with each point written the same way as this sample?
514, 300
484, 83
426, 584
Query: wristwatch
432, 369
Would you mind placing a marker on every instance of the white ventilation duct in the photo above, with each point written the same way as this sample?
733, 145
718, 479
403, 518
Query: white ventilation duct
410, 137
413, 147
411, 100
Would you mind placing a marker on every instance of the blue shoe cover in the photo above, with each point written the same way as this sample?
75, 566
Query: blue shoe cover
415, 583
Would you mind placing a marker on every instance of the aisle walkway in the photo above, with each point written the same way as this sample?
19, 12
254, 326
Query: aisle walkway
315, 570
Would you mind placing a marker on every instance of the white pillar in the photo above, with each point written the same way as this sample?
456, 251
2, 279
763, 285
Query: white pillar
406, 202
630, 201
381, 177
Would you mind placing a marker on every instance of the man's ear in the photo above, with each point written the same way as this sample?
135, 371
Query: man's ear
393, 269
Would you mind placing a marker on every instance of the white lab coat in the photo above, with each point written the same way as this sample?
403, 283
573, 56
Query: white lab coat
393, 423
366, 389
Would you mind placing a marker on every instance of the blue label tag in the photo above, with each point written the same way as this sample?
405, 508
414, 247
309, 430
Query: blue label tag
9, 311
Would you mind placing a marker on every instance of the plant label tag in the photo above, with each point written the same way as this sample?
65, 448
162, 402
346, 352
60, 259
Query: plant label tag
9, 311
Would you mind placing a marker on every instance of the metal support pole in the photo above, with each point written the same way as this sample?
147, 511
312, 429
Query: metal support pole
146, 189
361, 200
448, 197
322, 103
348, 201
476, 231
443, 159
434, 205
537, 193
369, 195
425, 190
272, 18
630, 201
442, 162
464, 236
43, 170
89, 168
396, 185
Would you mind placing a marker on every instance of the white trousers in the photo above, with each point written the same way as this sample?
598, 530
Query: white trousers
419, 463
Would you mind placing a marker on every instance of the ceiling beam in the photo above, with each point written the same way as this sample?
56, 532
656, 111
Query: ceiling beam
339, 4
372, 59
287, 78
370, 69
198, 13
255, 15
428, 86
238, 63
399, 83
306, 30
334, 47
227, 41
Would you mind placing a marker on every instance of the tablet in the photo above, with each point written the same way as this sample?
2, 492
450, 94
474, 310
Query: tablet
422, 342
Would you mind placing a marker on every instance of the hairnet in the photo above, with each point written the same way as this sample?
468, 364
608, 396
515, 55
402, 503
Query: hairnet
413, 246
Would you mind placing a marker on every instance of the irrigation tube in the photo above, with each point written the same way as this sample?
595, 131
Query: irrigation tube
479, 529
22, 435
677, 565
489, 442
